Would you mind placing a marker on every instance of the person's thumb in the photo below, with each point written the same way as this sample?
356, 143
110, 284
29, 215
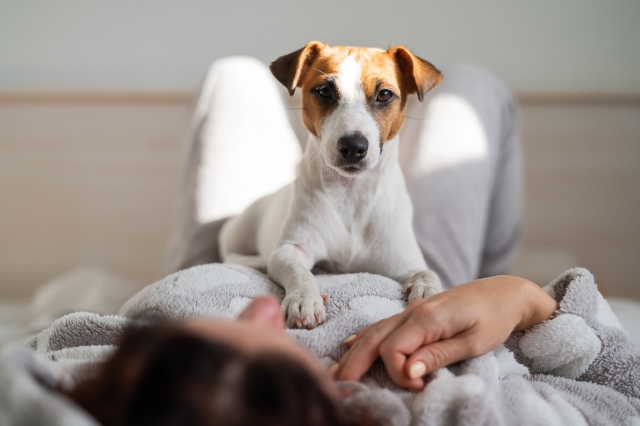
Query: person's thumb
431, 357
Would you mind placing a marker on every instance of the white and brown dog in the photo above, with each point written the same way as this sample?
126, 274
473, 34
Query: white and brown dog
348, 209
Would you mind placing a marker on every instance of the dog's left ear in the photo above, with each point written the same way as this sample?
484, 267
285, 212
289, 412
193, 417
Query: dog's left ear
288, 69
419, 75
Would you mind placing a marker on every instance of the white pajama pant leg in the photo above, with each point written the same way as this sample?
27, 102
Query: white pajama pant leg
240, 147
461, 155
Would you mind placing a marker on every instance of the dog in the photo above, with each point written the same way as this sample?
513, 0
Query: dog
348, 209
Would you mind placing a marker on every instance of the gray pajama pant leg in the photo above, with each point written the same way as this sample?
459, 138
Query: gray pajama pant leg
461, 155
460, 152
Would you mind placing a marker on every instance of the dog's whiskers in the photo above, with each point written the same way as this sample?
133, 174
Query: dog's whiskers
316, 160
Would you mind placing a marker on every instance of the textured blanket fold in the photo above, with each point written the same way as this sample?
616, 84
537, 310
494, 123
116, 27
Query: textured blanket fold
584, 369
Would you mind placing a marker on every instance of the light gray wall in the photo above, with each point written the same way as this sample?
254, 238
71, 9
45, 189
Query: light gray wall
542, 45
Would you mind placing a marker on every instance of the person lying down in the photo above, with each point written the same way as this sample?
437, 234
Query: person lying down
248, 371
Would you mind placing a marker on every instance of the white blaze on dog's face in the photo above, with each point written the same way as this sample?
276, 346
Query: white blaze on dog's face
354, 98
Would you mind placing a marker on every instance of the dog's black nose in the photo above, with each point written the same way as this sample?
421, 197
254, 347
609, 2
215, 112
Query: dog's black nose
353, 147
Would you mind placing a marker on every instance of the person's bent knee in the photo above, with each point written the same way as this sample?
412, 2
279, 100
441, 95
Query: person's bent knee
486, 93
463, 76
239, 66
477, 85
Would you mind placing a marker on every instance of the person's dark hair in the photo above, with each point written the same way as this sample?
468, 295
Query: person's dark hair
163, 375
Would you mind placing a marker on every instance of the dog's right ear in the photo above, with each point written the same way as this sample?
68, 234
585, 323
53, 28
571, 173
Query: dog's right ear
289, 68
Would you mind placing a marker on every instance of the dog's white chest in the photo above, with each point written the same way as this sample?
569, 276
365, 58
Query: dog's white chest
353, 236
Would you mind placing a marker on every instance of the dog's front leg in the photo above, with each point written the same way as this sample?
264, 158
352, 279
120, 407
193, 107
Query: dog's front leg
302, 306
422, 284
409, 265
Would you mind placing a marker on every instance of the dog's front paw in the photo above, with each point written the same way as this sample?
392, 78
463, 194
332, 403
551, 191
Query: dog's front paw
422, 284
303, 310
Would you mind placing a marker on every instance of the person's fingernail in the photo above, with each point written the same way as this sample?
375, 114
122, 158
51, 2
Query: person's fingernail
349, 339
417, 369
334, 369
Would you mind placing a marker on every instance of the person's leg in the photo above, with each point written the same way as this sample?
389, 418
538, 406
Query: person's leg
461, 157
240, 147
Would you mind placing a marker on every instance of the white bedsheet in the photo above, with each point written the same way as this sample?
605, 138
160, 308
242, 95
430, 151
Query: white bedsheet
86, 288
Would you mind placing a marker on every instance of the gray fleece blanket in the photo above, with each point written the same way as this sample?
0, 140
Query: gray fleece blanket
584, 370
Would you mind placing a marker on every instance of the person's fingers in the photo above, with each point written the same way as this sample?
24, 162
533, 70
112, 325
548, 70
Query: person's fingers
264, 310
399, 345
433, 356
351, 340
364, 351
402, 334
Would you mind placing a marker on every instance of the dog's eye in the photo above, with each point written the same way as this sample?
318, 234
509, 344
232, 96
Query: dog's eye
384, 96
324, 92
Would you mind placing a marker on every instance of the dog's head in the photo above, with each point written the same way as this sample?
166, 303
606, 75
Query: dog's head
354, 98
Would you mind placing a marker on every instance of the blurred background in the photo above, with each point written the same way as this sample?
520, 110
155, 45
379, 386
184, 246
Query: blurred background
95, 99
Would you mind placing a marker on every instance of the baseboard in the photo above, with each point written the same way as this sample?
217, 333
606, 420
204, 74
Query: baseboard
551, 98
186, 97
96, 97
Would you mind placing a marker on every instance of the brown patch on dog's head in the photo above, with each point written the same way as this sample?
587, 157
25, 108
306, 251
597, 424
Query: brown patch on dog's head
386, 93
312, 67
400, 72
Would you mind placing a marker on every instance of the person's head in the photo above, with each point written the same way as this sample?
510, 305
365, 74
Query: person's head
213, 372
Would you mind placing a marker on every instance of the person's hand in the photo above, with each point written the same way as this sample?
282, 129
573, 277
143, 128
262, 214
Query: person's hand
458, 324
